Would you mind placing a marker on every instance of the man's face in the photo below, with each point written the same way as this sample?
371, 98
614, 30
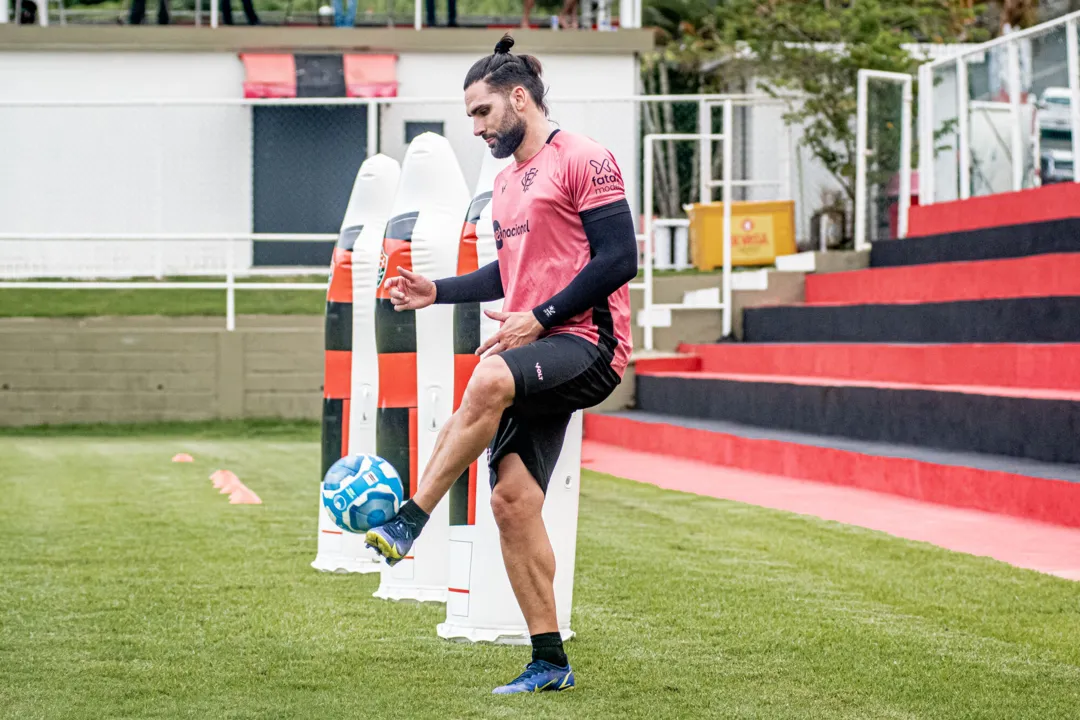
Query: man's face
495, 118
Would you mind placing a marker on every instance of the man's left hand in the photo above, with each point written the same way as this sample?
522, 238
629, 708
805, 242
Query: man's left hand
518, 328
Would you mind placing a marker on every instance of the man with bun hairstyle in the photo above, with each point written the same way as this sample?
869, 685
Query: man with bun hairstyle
566, 251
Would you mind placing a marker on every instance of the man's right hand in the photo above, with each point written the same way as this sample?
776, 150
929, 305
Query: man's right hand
409, 291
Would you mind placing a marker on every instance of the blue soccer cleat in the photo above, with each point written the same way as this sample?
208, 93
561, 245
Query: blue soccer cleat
392, 540
539, 676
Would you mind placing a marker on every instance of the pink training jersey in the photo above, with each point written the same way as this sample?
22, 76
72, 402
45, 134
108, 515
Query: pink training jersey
541, 240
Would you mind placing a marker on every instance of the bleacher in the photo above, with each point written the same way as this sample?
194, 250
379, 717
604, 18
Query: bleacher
949, 371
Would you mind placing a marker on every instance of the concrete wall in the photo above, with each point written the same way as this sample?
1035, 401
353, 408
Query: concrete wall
55, 371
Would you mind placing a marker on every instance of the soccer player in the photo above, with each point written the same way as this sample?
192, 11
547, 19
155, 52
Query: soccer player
566, 251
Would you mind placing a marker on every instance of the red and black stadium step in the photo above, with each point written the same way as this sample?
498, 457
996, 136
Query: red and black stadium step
1022, 488
1009, 320
1030, 423
1013, 209
1006, 241
1035, 276
1048, 366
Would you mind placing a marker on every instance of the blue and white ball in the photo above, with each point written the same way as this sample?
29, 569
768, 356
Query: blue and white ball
361, 492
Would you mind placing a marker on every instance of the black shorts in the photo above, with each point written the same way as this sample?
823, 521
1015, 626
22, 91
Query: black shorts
553, 377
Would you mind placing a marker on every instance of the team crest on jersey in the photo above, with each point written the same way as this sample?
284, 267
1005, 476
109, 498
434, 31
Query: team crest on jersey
527, 180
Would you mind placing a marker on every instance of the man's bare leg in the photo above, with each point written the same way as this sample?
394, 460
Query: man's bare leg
465, 435
525, 12
517, 502
468, 431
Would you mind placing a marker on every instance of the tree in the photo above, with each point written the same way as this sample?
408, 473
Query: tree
815, 48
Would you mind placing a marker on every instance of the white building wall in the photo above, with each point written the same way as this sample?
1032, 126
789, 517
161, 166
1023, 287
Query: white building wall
177, 169
115, 169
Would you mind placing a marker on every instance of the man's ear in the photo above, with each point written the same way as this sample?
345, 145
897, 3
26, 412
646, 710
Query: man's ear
519, 96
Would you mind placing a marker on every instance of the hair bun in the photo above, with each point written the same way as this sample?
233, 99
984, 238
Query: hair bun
503, 46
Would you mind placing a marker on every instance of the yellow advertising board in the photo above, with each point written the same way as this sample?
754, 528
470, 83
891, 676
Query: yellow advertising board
760, 231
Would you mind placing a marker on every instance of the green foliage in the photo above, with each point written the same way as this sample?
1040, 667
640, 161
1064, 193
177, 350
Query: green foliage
812, 49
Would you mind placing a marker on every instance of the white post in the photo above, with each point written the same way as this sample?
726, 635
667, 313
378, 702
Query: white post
417, 22
905, 162
1072, 44
727, 195
372, 130
43, 13
926, 137
198, 13
1014, 106
705, 156
5, 8
963, 118
648, 229
214, 13
861, 131
230, 289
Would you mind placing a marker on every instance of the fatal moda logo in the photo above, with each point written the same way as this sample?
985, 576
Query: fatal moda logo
527, 181
604, 173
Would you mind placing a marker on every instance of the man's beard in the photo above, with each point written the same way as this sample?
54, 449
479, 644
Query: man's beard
509, 137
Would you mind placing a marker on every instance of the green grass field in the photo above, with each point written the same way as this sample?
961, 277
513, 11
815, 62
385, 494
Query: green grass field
172, 303
91, 303
130, 588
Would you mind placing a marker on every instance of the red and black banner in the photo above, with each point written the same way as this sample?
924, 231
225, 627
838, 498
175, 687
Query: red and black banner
337, 373
395, 342
462, 496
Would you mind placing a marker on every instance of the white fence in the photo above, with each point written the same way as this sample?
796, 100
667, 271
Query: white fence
113, 190
965, 103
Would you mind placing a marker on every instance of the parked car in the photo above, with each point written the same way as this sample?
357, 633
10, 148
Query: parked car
1057, 166
1054, 110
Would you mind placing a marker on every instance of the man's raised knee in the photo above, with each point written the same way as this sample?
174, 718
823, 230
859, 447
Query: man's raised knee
509, 508
491, 387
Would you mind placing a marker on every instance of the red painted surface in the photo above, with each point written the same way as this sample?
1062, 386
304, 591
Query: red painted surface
1050, 202
1052, 501
1034, 393
1034, 276
686, 363
1054, 366
1024, 543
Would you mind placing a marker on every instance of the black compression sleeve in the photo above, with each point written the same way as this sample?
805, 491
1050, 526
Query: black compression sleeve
613, 263
483, 285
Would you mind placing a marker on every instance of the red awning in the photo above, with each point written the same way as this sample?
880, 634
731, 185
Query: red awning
371, 75
269, 76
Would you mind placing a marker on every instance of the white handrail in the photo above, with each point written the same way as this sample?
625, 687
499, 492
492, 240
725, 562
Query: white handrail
649, 140
1004, 39
861, 151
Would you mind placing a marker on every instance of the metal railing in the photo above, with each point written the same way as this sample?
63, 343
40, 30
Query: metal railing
229, 285
862, 152
959, 64
162, 218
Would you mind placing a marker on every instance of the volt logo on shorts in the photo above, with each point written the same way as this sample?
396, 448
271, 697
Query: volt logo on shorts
539, 372
502, 233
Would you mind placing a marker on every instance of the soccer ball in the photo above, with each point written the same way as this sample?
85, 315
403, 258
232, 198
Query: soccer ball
361, 492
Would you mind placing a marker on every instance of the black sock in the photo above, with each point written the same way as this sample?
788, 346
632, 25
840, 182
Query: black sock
548, 647
414, 515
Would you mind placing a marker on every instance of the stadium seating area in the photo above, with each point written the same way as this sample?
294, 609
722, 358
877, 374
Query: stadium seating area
947, 372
